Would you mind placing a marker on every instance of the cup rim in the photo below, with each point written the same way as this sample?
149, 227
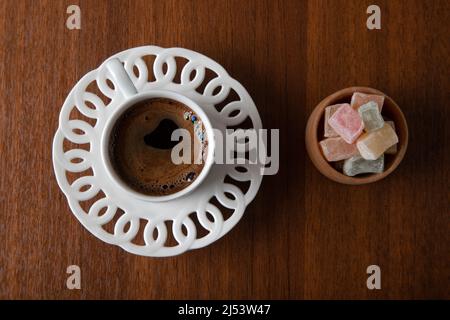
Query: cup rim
129, 102
312, 140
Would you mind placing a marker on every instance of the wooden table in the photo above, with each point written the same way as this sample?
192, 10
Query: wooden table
303, 237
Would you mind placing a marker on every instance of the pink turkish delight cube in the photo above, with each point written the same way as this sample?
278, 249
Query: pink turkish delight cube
335, 149
359, 99
347, 123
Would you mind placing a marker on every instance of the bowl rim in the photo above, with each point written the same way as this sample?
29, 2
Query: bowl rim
312, 141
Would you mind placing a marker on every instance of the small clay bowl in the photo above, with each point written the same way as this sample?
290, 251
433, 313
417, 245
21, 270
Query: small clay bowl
314, 134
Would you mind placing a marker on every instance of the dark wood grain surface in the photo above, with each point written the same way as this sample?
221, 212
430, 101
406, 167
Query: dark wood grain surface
303, 237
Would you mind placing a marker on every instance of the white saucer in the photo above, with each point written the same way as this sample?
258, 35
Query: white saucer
103, 203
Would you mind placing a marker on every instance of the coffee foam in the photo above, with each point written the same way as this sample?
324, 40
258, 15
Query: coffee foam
146, 169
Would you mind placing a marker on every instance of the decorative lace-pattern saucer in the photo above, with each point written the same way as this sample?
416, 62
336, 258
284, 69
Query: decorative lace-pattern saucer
112, 214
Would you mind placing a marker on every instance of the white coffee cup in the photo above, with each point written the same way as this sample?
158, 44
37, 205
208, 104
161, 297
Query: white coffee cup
132, 97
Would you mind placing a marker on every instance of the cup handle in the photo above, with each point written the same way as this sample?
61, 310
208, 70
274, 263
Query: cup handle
121, 78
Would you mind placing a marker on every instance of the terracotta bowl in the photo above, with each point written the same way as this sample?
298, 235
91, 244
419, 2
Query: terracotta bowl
314, 134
